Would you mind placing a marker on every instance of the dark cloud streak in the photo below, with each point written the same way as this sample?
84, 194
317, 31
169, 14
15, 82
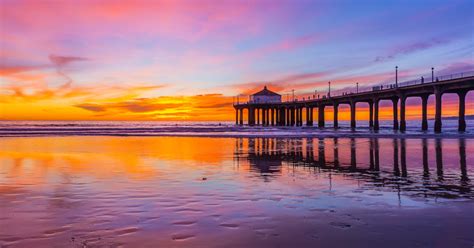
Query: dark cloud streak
411, 48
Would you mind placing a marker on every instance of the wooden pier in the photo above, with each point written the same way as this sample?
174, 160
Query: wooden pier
290, 113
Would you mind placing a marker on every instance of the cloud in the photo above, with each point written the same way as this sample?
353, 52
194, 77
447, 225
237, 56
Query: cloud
143, 105
409, 48
137, 106
61, 61
203, 107
6, 70
215, 106
91, 107
456, 67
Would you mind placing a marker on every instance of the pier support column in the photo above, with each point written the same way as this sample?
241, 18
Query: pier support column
311, 116
462, 111
264, 116
282, 117
376, 114
321, 116
273, 116
250, 117
241, 121
307, 117
371, 114
424, 112
292, 116
297, 117
278, 114
268, 116
278, 117
437, 125
253, 117
301, 116
395, 113
403, 124
236, 116
288, 114
353, 114
336, 121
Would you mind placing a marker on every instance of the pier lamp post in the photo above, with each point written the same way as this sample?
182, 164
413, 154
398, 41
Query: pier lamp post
357, 87
396, 76
293, 92
329, 91
432, 74
315, 93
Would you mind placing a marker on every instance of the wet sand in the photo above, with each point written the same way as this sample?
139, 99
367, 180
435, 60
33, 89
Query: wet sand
235, 192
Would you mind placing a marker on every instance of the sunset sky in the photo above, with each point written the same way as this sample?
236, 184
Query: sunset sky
186, 60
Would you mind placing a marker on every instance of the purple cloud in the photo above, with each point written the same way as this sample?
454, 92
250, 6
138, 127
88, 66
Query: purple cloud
411, 48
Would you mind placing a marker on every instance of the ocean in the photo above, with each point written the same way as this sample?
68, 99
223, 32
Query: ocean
212, 129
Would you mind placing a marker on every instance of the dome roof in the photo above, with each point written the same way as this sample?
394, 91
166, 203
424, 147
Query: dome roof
266, 92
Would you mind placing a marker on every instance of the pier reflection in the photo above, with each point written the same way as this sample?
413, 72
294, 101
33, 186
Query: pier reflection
402, 164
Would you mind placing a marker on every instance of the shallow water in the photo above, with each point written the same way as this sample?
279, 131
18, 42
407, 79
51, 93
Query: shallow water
221, 129
237, 192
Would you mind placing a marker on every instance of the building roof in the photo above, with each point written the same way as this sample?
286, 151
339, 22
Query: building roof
266, 92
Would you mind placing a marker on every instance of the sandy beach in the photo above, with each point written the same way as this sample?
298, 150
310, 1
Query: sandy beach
233, 192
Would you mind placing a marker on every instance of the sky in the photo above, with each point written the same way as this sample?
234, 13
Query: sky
187, 60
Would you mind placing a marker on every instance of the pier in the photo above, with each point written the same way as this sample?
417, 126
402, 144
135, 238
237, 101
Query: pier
290, 113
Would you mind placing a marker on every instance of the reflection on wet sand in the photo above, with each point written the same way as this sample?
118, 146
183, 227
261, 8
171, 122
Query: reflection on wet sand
234, 192
268, 155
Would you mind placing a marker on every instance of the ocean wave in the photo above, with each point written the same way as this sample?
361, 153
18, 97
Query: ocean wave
215, 129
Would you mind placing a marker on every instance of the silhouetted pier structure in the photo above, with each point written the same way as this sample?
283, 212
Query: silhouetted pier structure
290, 113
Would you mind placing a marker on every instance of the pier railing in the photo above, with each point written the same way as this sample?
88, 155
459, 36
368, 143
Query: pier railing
434, 79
